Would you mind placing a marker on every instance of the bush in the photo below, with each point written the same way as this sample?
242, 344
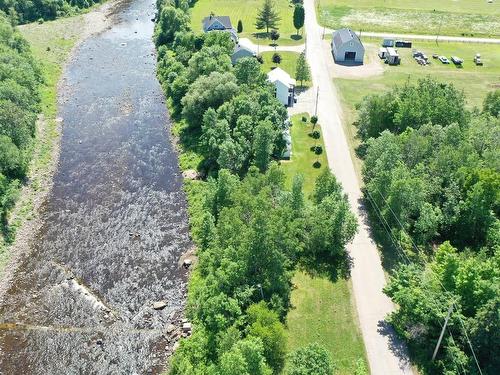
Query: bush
304, 119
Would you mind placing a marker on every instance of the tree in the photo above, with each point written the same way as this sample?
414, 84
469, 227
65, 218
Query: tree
171, 21
240, 27
267, 17
491, 103
298, 17
302, 72
276, 58
248, 72
275, 35
209, 59
263, 145
207, 92
265, 325
312, 359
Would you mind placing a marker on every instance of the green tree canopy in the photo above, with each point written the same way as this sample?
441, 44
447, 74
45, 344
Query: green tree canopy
267, 17
312, 359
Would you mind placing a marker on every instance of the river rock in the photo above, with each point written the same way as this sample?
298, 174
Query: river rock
186, 327
170, 328
159, 305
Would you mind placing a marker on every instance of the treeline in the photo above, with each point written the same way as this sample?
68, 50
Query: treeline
251, 232
23, 11
432, 177
20, 78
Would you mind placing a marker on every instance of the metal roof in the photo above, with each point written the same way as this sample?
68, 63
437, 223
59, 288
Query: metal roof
343, 36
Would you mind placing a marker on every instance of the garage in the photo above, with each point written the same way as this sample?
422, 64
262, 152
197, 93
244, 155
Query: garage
347, 47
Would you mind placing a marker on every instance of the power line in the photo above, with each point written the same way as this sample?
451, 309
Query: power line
442, 285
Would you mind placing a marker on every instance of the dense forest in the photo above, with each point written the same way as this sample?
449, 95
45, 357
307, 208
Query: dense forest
432, 177
23, 11
20, 78
251, 232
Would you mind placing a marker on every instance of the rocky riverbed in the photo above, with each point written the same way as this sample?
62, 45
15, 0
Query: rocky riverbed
114, 228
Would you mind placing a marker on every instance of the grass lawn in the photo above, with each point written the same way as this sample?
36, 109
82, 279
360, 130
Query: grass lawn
302, 157
288, 63
322, 311
246, 11
447, 17
51, 43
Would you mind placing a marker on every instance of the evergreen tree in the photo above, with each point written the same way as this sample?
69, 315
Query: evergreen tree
268, 17
240, 26
298, 17
302, 72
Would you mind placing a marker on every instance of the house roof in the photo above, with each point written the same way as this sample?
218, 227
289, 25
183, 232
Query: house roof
224, 20
343, 36
245, 45
280, 75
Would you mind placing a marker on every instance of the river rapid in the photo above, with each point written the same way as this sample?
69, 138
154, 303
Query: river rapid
114, 226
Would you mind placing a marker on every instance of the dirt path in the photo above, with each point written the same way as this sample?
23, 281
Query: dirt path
386, 354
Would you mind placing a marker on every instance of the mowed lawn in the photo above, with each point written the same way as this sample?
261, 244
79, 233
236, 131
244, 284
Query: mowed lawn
303, 157
246, 11
447, 17
322, 311
288, 64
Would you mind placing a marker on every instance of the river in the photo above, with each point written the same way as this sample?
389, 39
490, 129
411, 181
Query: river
114, 226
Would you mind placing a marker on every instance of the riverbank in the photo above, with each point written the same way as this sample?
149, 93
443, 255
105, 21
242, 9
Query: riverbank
52, 44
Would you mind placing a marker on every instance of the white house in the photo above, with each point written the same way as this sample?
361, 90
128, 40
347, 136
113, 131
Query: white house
284, 84
219, 23
347, 47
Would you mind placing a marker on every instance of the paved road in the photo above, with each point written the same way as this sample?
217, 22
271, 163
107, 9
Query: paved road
386, 355
442, 38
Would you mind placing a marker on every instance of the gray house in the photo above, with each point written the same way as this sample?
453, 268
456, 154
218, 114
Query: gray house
241, 51
219, 23
347, 47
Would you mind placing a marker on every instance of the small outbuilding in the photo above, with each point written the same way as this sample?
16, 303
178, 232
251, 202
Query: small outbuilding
347, 47
284, 86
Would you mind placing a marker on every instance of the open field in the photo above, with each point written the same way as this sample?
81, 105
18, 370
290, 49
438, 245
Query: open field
447, 17
246, 11
475, 81
324, 312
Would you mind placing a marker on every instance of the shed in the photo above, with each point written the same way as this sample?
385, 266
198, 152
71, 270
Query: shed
347, 47
284, 86
388, 43
392, 57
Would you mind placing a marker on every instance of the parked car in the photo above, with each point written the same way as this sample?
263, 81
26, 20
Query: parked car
477, 60
457, 60
444, 60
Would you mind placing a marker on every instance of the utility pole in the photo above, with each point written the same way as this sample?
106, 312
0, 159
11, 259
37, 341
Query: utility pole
261, 292
442, 332
316, 107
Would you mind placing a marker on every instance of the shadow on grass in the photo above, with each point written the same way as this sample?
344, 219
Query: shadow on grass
295, 37
324, 265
